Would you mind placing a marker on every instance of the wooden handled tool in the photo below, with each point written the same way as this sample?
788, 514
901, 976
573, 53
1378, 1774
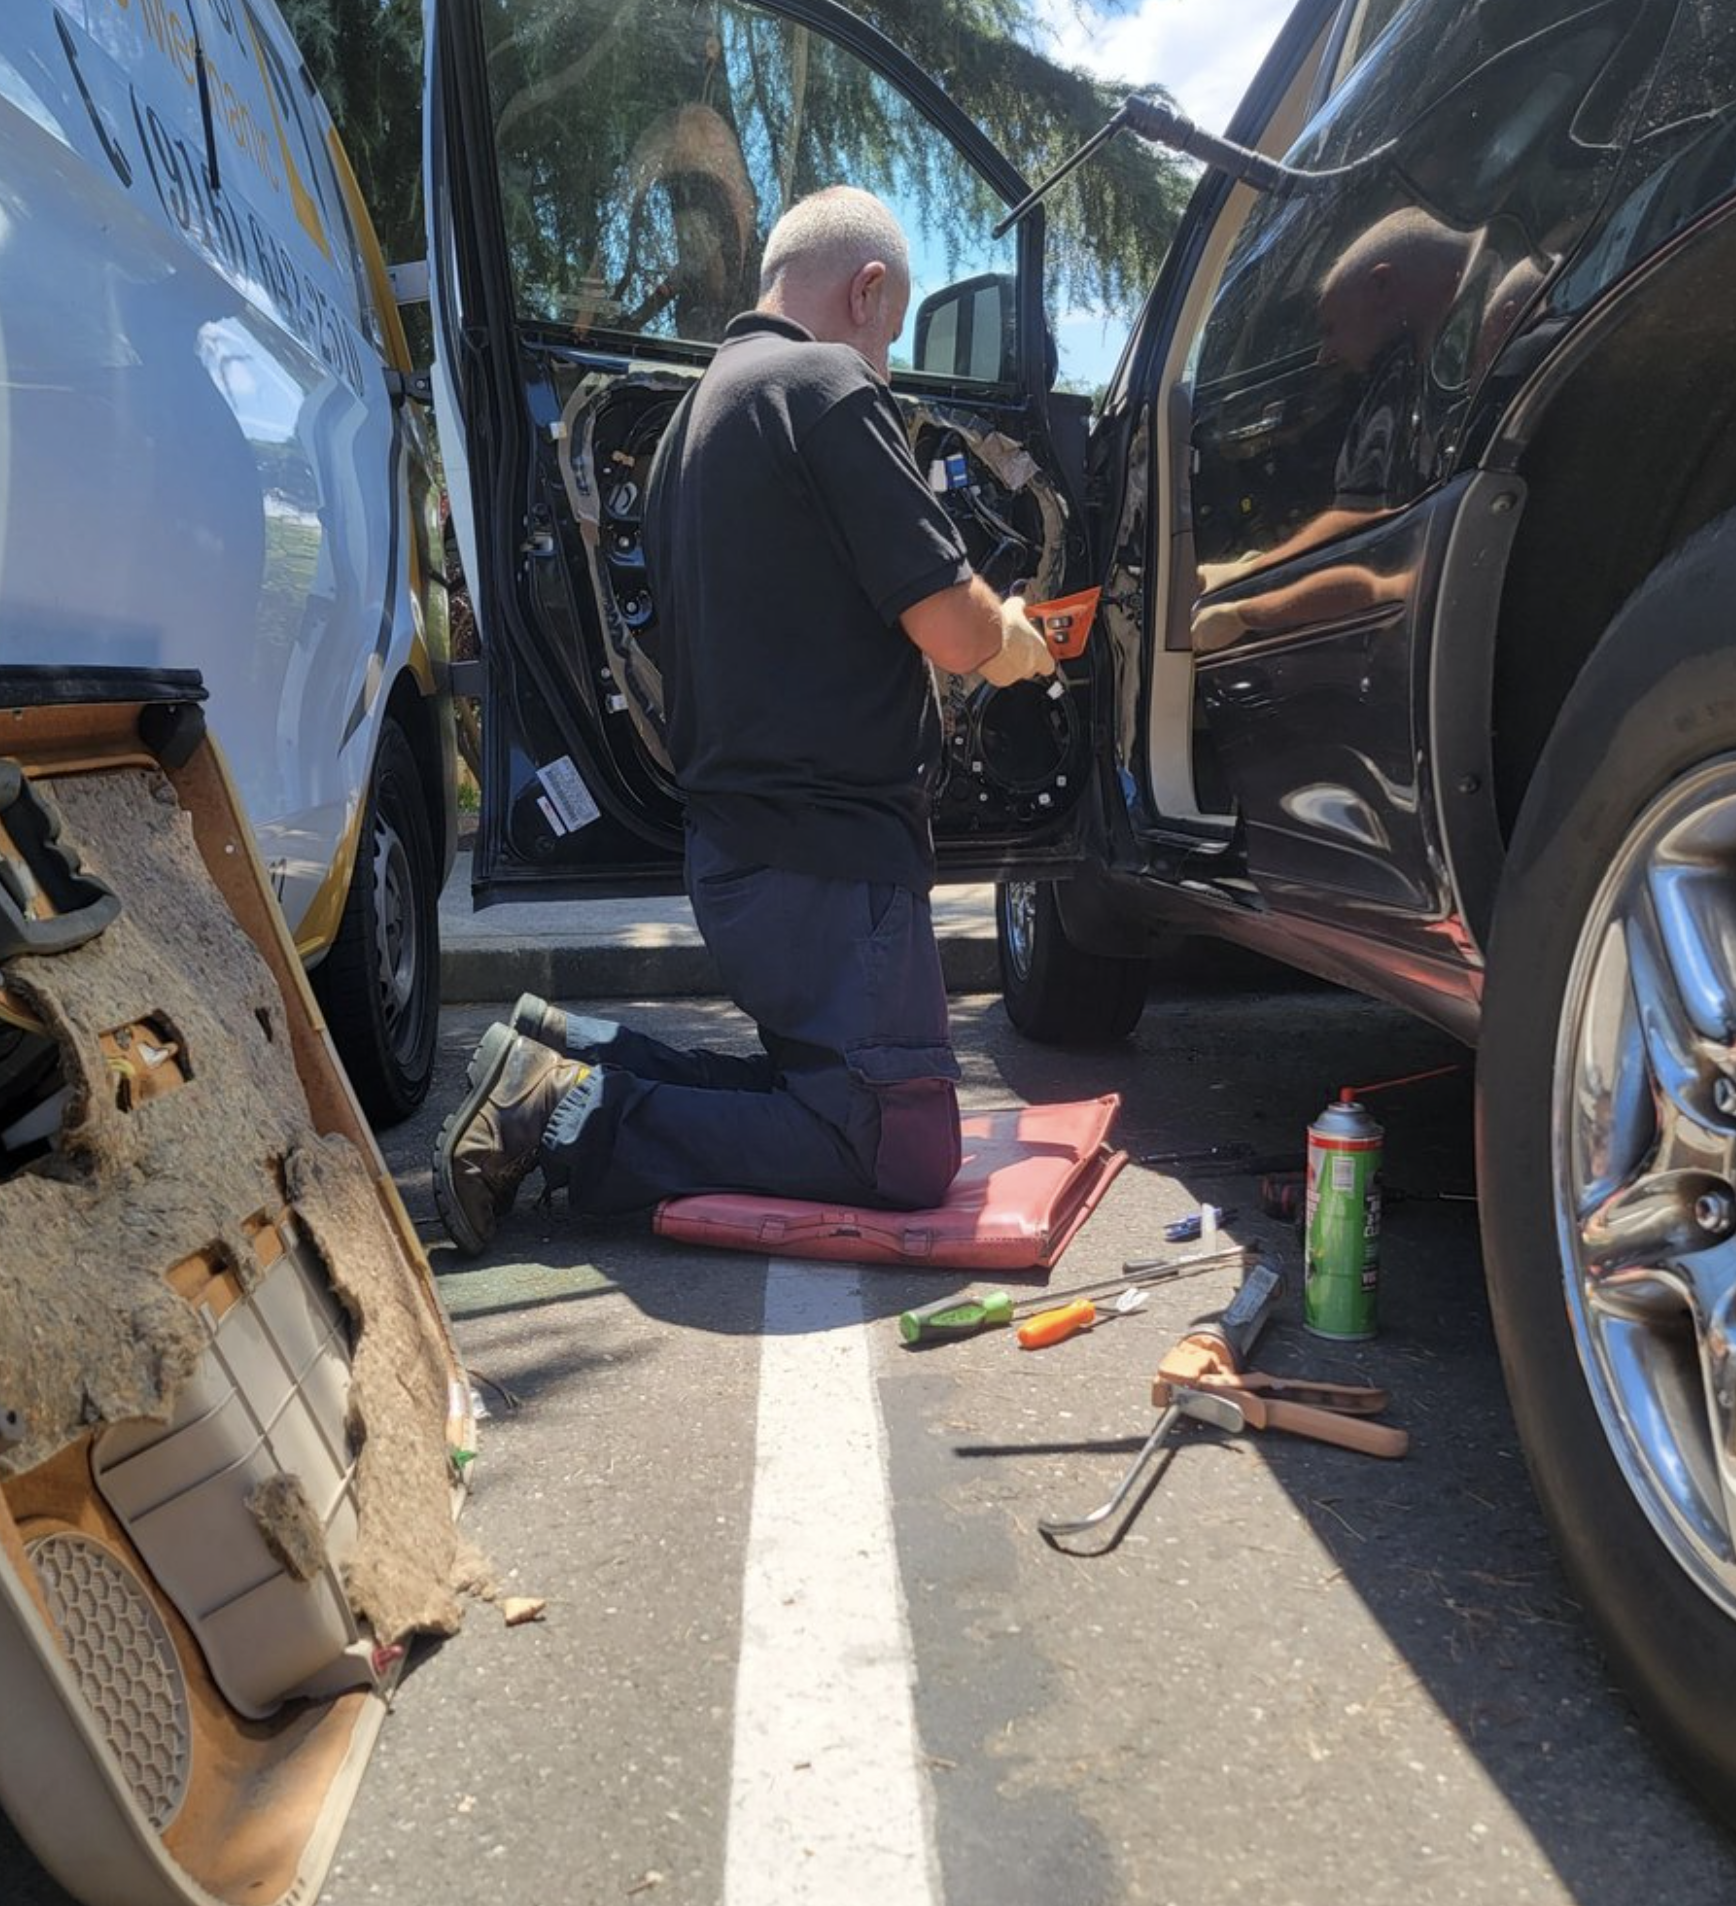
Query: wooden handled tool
1215, 1360
1260, 1412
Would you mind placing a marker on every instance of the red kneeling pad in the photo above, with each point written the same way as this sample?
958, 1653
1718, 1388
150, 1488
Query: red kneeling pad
1031, 1176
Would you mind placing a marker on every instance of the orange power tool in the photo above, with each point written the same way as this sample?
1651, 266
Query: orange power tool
1064, 622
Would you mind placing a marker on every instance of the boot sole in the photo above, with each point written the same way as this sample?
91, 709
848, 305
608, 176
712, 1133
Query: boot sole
483, 1073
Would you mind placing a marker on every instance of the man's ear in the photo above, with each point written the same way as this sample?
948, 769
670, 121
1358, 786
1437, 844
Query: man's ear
867, 290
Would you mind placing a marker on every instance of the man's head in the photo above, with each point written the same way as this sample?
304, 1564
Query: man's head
1398, 279
837, 264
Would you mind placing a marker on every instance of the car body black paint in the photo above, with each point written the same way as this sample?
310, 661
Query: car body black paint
1346, 688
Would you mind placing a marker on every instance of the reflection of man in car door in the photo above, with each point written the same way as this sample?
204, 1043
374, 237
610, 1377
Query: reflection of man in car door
1381, 307
806, 576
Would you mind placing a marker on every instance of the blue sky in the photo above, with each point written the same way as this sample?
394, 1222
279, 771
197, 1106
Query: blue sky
1203, 51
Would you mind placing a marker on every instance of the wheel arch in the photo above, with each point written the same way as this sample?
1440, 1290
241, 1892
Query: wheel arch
1623, 450
427, 724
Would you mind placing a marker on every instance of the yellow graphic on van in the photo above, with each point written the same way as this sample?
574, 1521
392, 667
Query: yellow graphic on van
306, 206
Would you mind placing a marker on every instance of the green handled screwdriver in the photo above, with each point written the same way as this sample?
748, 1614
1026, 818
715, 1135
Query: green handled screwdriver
965, 1316
956, 1317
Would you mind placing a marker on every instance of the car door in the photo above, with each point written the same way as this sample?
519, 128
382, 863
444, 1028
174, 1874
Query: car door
601, 179
1459, 157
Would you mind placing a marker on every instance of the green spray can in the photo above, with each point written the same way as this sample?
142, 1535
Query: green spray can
1341, 1288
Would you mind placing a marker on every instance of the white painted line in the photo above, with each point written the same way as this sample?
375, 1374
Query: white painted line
829, 1801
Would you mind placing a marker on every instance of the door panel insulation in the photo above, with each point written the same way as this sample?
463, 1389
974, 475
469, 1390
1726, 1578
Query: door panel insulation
91, 1330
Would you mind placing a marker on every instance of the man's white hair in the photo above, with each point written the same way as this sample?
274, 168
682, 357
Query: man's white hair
833, 234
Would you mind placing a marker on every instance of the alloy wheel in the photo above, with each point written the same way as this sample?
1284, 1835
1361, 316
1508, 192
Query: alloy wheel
1645, 1166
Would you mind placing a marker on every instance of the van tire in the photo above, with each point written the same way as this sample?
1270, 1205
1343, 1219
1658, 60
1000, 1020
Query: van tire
380, 984
1056, 992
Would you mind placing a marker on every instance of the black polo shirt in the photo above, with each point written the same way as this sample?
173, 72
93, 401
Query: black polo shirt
787, 528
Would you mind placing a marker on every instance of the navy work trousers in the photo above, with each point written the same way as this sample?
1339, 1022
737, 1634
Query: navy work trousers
851, 1098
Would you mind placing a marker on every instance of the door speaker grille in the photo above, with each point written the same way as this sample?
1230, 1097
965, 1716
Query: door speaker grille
126, 1665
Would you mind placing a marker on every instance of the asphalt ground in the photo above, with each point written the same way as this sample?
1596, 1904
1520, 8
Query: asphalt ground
804, 1642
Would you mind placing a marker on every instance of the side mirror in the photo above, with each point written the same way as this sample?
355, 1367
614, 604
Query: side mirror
970, 330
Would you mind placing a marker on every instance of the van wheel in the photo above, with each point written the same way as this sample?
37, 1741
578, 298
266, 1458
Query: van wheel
1055, 992
380, 983
1606, 1144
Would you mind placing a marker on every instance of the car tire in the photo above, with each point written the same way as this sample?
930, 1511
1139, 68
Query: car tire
1055, 992
379, 985
1605, 1152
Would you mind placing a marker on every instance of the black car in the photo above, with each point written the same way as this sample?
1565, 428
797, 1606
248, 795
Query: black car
1411, 504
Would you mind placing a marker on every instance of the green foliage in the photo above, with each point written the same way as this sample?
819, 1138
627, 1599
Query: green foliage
366, 58
1111, 223
584, 91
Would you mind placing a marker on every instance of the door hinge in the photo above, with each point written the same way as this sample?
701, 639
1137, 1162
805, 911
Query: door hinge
416, 387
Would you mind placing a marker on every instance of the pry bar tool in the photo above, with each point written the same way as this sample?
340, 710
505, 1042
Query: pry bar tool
1239, 1323
1204, 1406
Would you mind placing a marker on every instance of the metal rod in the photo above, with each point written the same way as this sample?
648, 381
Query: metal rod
1166, 1421
1146, 1270
1101, 137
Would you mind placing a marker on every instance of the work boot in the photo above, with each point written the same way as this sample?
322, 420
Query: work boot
486, 1148
534, 1018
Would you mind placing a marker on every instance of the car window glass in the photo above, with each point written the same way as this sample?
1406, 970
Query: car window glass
646, 147
1683, 156
1429, 48
1460, 162
1430, 55
1372, 19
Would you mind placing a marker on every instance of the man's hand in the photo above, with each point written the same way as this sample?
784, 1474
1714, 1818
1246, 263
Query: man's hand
1024, 654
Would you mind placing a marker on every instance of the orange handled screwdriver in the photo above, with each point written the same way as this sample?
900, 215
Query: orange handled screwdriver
1056, 1326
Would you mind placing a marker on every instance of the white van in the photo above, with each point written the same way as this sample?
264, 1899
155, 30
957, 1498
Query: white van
207, 460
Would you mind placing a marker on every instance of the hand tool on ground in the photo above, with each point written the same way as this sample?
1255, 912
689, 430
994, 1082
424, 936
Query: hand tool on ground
1214, 1155
1240, 1323
1301, 1419
1208, 1358
965, 1316
1205, 1222
1283, 1194
1222, 1161
1056, 1326
1153, 1270
1204, 1406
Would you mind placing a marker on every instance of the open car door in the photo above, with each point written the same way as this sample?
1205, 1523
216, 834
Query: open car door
601, 178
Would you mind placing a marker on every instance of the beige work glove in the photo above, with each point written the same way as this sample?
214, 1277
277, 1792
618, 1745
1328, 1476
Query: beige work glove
1024, 654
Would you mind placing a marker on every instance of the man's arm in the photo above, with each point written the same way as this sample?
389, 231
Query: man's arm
958, 629
1325, 528
906, 551
968, 627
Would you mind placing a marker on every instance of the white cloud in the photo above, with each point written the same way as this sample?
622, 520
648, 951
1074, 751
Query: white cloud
1203, 51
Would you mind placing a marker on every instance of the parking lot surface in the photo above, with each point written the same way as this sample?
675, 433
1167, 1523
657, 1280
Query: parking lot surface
804, 1642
